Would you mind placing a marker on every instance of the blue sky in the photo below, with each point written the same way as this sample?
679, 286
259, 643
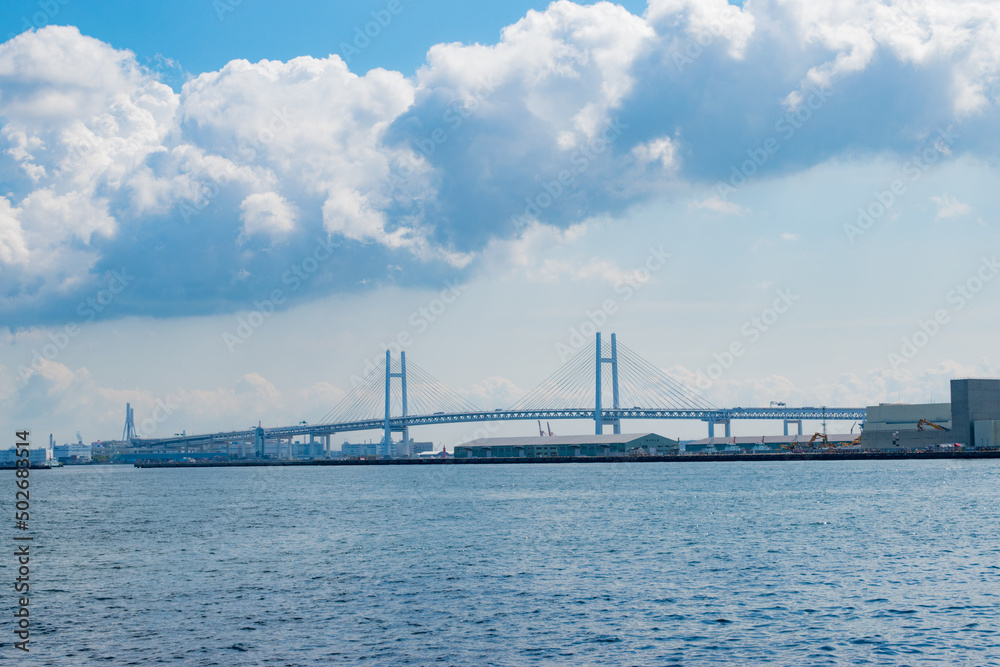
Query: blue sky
167, 173
202, 35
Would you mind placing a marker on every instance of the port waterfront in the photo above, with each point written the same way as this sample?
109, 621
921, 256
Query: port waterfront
675, 458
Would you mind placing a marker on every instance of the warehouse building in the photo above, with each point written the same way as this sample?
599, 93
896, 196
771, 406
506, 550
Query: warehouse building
624, 444
764, 443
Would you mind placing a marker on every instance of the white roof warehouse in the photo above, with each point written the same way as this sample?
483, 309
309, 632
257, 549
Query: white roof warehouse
566, 445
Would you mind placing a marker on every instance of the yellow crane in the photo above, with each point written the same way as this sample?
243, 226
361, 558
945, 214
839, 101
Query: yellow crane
924, 422
826, 443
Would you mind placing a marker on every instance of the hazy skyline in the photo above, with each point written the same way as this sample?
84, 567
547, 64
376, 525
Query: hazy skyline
185, 225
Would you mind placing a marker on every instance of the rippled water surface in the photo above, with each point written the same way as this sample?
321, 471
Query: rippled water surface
793, 563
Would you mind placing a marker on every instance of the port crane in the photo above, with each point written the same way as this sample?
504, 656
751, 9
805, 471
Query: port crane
541, 432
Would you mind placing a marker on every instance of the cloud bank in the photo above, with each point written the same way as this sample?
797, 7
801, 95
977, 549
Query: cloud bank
221, 193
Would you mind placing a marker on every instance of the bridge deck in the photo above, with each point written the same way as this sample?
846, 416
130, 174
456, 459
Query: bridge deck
608, 415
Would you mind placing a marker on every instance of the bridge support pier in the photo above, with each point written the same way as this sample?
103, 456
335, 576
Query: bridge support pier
711, 427
793, 421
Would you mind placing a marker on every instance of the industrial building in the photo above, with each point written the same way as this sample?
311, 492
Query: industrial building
72, 452
358, 449
36, 457
975, 411
397, 450
972, 419
624, 444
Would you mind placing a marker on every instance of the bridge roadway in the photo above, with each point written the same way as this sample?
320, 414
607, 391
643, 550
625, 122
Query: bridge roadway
719, 416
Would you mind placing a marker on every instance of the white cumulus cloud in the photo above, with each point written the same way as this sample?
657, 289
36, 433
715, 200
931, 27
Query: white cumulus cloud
267, 213
576, 111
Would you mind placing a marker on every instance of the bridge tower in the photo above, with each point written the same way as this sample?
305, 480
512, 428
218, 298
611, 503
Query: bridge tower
128, 433
258, 443
599, 419
388, 402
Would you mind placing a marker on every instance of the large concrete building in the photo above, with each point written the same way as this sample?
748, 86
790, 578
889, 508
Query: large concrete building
624, 444
972, 419
72, 452
906, 416
975, 409
907, 426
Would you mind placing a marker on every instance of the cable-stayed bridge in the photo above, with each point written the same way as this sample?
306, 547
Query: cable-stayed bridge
606, 383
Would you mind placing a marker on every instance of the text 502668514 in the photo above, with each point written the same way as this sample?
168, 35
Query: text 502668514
22, 541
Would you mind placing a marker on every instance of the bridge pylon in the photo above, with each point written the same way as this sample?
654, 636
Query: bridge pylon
128, 433
388, 399
599, 419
